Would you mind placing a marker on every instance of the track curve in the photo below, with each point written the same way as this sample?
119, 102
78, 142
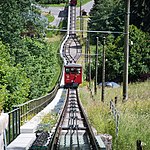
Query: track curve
72, 49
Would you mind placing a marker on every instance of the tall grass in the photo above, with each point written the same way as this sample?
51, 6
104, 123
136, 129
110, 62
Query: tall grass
134, 123
98, 112
135, 117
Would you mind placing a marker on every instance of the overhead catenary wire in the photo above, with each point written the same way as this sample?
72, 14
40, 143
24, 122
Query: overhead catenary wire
82, 54
89, 31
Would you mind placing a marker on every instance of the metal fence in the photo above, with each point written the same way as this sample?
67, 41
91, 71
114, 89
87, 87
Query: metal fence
13, 125
24, 112
115, 114
32, 107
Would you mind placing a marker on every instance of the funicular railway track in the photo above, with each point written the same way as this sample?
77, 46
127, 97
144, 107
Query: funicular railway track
72, 49
73, 131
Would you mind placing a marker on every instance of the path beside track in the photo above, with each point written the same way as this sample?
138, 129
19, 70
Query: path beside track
59, 12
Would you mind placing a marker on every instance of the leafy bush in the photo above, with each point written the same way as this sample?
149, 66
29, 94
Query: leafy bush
33, 71
14, 84
138, 56
29, 67
41, 64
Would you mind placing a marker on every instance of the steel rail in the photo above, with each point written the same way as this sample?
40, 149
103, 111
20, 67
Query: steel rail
71, 42
73, 128
53, 143
89, 129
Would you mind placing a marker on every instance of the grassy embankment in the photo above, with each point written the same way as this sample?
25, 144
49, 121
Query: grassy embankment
49, 16
134, 114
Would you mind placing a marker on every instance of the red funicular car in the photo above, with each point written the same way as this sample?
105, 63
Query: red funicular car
72, 75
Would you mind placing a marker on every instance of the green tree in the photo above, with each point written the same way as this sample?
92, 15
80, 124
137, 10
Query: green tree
140, 14
106, 16
29, 67
41, 64
12, 22
14, 84
139, 58
109, 15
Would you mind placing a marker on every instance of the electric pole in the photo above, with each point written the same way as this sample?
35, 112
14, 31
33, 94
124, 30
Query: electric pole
80, 14
103, 71
96, 65
86, 51
86, 57
89, 67
126, 50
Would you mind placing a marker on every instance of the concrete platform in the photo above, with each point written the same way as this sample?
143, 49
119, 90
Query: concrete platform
22, 142
31, 126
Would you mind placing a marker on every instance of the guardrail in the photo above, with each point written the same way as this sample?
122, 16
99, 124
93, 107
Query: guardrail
13, 125
24, 112
32, 107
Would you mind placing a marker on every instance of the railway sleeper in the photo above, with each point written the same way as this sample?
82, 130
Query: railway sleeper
74, 111
76, 117
76, 127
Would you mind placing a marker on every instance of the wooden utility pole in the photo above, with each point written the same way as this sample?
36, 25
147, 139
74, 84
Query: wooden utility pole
126, 51
86, 56
82, 24
86, 50
103, 71
96, 65
89, 67
80, 14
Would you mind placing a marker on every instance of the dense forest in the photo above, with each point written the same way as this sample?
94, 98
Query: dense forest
29, 66
109, 16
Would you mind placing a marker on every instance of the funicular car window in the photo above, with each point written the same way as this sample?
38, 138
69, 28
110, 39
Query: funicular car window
73, 70
67, 70
78, 70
